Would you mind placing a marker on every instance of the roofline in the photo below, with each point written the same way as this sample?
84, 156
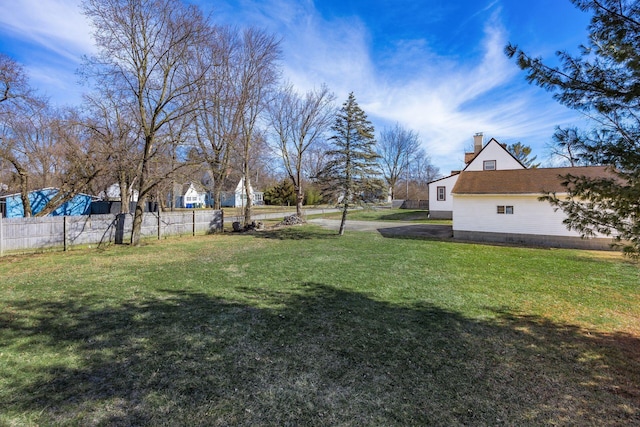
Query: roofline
46, 188
503, 147
444, 177
507, 194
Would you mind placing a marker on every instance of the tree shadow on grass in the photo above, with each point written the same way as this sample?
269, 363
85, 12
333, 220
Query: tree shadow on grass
418, 232
406, 216
323, 356
295, 233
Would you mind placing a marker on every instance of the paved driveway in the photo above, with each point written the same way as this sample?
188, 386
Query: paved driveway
391, 229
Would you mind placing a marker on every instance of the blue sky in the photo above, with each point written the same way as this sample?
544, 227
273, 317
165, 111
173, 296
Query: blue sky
434, 66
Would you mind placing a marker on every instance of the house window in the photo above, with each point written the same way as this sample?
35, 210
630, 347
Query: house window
505, 210
489, 165
442, 194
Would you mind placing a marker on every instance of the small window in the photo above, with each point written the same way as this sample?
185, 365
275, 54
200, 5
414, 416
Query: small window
489, 165
505, 210
442, 194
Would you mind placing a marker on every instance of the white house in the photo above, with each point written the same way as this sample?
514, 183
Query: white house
188, 196
113, 193
504, 206
238, 198
490, 157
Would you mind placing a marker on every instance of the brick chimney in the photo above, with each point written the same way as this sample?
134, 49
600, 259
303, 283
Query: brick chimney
477, 143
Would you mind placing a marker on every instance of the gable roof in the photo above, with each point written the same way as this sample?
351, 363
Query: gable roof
523, 181
473, 156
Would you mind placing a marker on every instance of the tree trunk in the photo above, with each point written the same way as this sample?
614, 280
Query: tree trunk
24, 194
218, 182
343, 222
299, 200
137, 221
142, 192
125, 195
247, 192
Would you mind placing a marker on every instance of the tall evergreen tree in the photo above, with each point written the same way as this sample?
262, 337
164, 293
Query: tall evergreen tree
603, 82
352, 168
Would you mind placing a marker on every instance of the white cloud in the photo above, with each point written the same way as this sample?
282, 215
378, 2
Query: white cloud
445, 99
57, 25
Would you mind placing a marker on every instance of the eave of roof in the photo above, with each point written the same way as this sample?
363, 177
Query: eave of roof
523, 181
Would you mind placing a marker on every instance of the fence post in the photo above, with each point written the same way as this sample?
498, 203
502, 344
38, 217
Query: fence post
120, 221
1, 237
159, 232
193, 231
64, 232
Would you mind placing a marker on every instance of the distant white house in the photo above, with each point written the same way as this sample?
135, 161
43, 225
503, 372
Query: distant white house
492, 156
504, 206
113, 194
238, 198
190, 196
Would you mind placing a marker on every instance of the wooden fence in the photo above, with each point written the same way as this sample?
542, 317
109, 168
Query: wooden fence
32, 234
410, 204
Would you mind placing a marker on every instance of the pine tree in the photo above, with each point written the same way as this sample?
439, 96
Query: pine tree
603, 82
522, 153
352, 168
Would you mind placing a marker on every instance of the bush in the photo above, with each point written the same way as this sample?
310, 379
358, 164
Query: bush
280, 194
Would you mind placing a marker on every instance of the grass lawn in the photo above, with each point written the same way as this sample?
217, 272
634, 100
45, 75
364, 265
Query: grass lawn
301, 327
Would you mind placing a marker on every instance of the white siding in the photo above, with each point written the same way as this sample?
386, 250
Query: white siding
447, 204
494, 151
192, 196
531, 216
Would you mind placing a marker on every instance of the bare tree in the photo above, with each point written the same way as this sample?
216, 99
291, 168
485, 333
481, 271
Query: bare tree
14, 84
75, 161
146, 50
15, 97
44, 146
300, 123
258, 75
218, 117
396, 147
421, 172
117, 139
48, 148
25, 146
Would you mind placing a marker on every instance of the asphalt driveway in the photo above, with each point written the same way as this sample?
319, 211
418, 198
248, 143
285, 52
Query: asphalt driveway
391, 229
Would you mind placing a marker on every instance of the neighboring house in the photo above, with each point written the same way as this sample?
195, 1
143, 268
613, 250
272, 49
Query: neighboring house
11, 204
504, 206
190, 196
238, 198
110, 201
113, 194
492, 156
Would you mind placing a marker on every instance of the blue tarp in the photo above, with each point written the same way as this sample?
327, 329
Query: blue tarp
79, 205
